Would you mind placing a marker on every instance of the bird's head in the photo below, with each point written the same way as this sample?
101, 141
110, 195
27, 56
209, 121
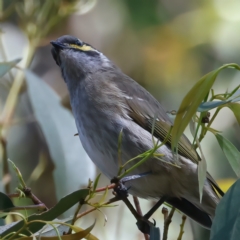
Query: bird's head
76, 57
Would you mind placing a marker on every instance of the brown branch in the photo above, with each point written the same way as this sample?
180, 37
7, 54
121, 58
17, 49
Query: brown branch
103, 189
167, 221
139, 211
75, 216
112, 200
28, 192
39, 206
137, 205
182, 227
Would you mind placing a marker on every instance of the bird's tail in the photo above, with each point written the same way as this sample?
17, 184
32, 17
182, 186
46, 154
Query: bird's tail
191, 211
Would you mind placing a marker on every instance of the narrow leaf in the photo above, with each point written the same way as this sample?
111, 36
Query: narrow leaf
73, 167
236, 96
192, 101
202, 164
202, 172
231, 153
227, 219
80, 234
235, 107
206, 106
7, 66
63, 205
5, 202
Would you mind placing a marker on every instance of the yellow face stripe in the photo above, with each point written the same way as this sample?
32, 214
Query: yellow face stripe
82, 48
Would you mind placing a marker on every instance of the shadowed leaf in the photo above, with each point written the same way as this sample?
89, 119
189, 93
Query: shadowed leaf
227, 219
231, 153
206, 106
7, 66
235, 107
72, 165
63, 205
5, 202
80, 234
192, 101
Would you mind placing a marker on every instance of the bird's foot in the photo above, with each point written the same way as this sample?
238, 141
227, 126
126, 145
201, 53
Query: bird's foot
120, 190
144, 225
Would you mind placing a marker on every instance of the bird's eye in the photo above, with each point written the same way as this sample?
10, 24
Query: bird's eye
78, 42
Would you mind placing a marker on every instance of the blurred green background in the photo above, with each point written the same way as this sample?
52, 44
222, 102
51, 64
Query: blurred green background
164, 45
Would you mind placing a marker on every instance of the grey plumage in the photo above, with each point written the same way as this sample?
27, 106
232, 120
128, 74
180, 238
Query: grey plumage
105, 101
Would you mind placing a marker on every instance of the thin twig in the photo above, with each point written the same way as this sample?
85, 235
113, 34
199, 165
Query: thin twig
39, 206
167, 221
139, 211
103, 189
5, 162
35, 200
182, 227
75, 216
137, 205
112, 200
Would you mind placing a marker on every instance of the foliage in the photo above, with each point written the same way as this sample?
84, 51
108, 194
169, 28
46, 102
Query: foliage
57, 126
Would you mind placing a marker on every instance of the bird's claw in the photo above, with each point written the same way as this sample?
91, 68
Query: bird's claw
144, 225
120, 189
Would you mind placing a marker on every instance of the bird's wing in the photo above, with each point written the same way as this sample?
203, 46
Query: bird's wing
147, 112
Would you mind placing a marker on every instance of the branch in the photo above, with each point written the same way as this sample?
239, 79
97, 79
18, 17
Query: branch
182, 227
167, 221
139, 211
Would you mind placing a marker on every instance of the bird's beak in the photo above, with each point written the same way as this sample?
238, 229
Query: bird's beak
57, 45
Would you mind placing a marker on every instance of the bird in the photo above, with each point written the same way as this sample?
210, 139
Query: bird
106, 102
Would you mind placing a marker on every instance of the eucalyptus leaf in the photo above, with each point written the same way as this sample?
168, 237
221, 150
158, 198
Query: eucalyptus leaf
191, 102
63, 205
79, 234
4, 228
235, 97
7, 66
227, 218
231, 153
202, 164
72, 165
235, 107
206, 106
202, 172
5, 202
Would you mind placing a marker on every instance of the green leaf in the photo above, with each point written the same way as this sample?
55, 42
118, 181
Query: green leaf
4, 228
206, 106
231, 153
80, 234
95, 184
49, 231
63, 205
202, 164
5, 202
227, 219
202, 172
191, 102
235, 107
236, 96
7, 66
73, 167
